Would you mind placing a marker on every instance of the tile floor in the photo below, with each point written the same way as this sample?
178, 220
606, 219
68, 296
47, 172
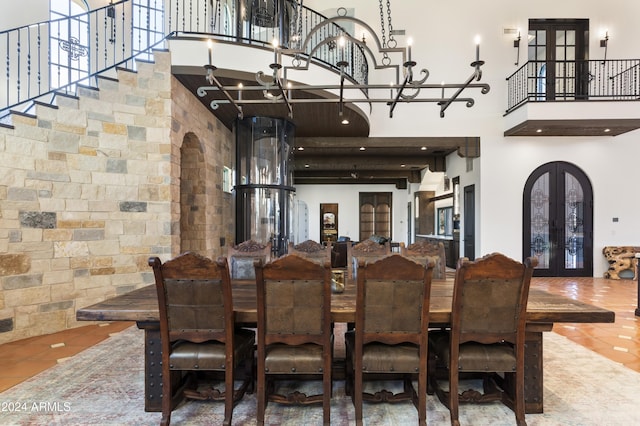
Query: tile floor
619, 341
25, 358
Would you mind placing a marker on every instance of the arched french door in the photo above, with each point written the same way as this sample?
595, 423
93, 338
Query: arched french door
558, 220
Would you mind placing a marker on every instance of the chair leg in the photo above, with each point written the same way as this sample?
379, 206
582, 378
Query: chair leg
166, 398
261, 395
166, 420
357, 396
422, 398
453, 396
326, 397
519, 398
348, 375
228, 395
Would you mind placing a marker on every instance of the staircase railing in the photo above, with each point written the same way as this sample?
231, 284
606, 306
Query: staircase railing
55, 56
544, 81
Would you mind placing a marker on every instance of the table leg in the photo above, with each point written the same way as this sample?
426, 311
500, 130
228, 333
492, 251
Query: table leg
533, 385
152, 366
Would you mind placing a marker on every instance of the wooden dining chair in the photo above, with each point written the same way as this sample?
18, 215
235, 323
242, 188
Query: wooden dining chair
390, 335
365, 250
242, 256
312, 250
197, 331
422, 251
294, 330
487, 335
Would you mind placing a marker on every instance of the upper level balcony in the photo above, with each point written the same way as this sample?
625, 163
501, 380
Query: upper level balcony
573, 98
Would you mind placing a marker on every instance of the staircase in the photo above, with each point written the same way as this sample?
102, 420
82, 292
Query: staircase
48, 58
56, 57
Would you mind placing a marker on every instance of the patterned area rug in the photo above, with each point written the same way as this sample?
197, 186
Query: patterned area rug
104, 386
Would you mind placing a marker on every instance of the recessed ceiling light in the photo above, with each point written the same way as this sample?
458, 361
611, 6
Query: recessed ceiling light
306, 165
362, 148
301, 148
345, 121
401, 165
539, 131
607, 130
424, 148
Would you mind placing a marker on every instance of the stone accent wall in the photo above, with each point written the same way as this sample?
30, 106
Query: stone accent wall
206, 214
90, 189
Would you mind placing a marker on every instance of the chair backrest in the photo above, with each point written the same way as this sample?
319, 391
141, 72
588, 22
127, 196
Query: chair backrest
312, 250
242, 256
370, 248
194, 298
392, 302
367, 250
490, 299
294, 301
423, 250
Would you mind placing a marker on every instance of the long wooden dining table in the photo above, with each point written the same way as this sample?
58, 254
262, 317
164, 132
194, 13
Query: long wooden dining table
543, 310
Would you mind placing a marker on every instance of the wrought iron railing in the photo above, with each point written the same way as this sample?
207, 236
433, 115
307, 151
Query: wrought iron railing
291, 26
55, 56
542, 81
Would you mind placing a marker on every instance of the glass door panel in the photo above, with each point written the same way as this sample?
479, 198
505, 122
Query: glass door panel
539, 229
557, 53
574, 223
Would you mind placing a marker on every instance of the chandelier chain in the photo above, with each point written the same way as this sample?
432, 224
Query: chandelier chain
392, 41
384, 38
299, 18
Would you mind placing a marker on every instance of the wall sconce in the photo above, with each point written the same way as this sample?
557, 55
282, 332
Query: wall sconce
111, 14
516, 44
605, 43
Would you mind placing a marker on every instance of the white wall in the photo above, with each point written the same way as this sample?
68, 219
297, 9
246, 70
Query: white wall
25, 12
443, 42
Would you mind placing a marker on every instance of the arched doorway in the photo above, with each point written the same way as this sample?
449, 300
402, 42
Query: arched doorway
558, 220
193, 196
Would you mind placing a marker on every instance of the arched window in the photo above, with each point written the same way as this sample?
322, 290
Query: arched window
69, 41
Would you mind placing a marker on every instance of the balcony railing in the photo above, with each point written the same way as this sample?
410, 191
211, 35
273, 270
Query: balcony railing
55, 56
284, 20
589, 80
